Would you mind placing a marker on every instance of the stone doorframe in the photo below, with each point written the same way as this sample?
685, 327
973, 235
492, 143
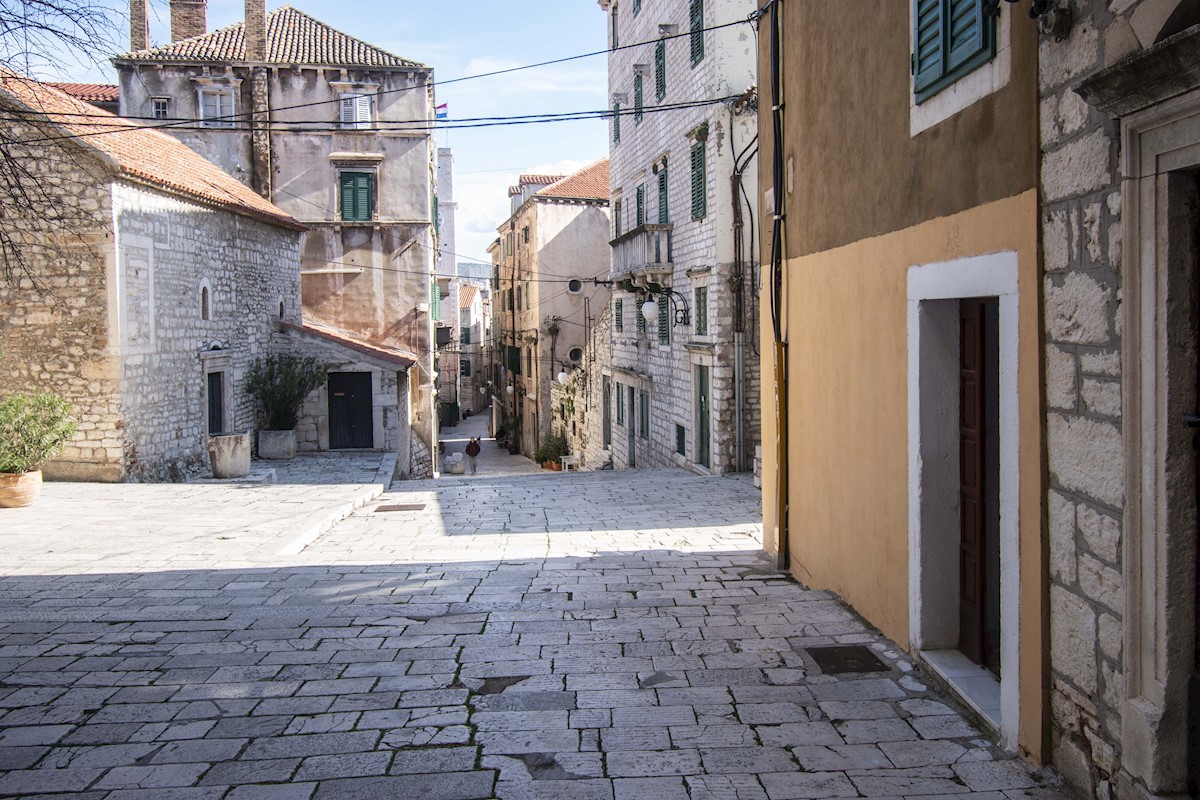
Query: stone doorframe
1160, 513
934, 292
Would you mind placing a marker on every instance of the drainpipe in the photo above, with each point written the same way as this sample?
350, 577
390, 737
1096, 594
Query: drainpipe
738, 286
782, 538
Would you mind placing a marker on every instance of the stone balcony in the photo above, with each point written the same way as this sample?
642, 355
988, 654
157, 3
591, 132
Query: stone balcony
645, 250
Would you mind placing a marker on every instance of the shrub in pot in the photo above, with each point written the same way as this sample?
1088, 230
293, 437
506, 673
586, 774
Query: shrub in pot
553, 448
277, 385
33, 429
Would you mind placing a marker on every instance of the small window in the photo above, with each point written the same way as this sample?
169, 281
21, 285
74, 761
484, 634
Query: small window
354, 111
644, 414
160, 107
519, 301
576, 354
616, 41
205, 303
216, 108
664, 320
680, 440
637, 7
464, 367
696, 25
620, 404
525, 234
701, 310
641, 206
699, 184
619, 314
663, 206
465, 336
660, 69
281, 309
575, 286
358, 196
950, 39
637, 98
528, 360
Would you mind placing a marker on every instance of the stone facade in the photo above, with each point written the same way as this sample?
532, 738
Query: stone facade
1105, 739
700, 252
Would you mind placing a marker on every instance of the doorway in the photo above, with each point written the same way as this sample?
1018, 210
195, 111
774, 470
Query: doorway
703, 417
632, 428
607, 412
351, 423
216, 402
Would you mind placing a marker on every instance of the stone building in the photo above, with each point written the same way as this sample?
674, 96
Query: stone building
549, 261
472, 366
901, 334
682, 387
329, 128
1120, 142
151, 281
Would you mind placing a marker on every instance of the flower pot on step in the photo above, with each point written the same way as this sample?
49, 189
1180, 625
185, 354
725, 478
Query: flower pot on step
277, 445
19, 489
229, 454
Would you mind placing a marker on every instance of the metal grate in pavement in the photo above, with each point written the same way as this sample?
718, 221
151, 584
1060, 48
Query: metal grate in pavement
401, 507
846, 658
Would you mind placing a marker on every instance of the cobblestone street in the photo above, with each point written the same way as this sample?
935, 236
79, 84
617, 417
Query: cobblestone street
586, 635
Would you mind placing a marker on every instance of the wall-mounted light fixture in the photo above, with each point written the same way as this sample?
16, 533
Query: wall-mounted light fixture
1053, 17
682, 315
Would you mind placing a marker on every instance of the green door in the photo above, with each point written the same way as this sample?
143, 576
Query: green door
704, 422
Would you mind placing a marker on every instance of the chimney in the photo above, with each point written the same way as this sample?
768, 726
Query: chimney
188, 19
256, 30
139, 24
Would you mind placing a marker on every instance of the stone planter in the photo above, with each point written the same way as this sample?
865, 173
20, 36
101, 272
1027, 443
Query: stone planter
229, 454
277, 444
18, 489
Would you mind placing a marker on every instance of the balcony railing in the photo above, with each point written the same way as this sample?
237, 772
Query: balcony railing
645, 248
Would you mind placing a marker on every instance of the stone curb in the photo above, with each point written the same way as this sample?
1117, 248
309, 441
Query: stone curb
330, 518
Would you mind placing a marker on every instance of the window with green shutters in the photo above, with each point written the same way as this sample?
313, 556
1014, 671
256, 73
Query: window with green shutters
358, 192
637, 98
464, 367
699, 186
641, 319
701, 310
619, 314
663, 209
637, 6
641, 206
664, 320
514, 359
950, 39
435, 300
616, 123
696, 20
519, 306
620, 404
466, 336
644, 414
660, 70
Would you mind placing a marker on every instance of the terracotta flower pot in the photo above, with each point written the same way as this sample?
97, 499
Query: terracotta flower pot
20, 488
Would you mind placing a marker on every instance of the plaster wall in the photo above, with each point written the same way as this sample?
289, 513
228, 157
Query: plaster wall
847, 361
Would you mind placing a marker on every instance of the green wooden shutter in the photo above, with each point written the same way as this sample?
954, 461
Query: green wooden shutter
660, 70
641, 206
347, 195
644, 414
699, 186
696, 18
637, 98
664, 319
641, 318
616, 123
514, 359
637, 6
619, 314
464, 367
967, 32
435, 299
701, 310
928, 54
663, 208
620, 404
363, 196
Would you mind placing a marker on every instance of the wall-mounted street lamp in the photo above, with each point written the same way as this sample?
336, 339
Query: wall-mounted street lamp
682, 315
1053, 17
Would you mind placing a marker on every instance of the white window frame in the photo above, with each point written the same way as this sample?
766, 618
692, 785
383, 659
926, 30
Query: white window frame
223, 95
160, 102
355, 111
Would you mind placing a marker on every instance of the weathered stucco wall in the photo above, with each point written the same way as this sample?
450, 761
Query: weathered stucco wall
848, 417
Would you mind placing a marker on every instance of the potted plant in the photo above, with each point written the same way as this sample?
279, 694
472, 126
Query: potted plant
277, 385
32, 430
553, 448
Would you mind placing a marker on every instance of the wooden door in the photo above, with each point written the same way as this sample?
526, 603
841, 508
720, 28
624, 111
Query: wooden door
216, 402
1192, 421
972, 545
632, 427
607, 413
350, 414
704, 421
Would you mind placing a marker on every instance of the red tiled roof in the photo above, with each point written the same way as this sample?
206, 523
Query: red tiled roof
466, 294
141, 153
90, 92
391, 355
540, 179
293, 37
589, 183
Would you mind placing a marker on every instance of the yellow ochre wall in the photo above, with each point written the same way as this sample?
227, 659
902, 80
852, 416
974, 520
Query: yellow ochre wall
846, 326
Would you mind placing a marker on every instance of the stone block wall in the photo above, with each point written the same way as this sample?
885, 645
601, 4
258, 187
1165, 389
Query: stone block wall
54, 321
1082, 256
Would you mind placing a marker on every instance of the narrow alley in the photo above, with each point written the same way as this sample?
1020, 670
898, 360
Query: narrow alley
612, 635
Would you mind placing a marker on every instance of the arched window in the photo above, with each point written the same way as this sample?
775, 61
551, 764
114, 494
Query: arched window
281, 309
205, 301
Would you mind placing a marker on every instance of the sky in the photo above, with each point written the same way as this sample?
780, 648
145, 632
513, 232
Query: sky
460, 38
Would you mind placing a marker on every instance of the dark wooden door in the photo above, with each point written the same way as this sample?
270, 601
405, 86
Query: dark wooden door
971, 433
350, 418
216, 402
1193, 422
704, 426
632, 427
607, 411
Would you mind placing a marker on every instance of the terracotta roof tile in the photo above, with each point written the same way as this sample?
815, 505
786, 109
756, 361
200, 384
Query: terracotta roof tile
90, 92
466, 295
589, 183
293, 37
140, 153
391, 355
540, 179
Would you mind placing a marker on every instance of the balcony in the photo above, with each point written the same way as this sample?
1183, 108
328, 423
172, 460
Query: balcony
645, 250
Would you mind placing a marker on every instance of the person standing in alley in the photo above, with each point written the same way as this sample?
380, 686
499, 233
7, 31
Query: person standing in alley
472, 452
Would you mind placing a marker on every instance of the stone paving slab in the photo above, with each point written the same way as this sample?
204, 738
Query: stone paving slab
602, 635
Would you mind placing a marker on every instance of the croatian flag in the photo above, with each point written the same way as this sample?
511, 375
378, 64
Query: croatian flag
442, 112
